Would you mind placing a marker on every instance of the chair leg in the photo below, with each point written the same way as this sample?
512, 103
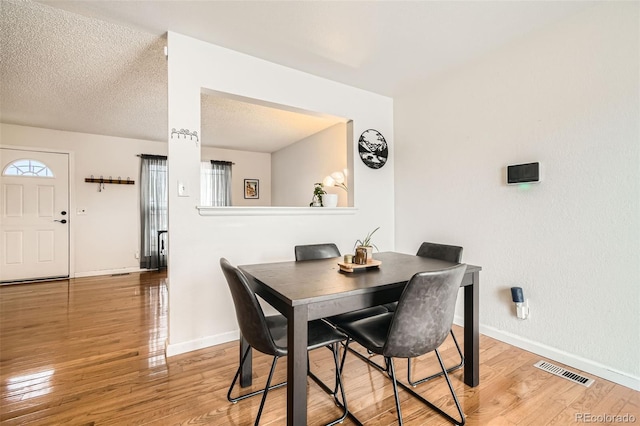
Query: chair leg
320, 382
453, 392
392, 374
333, 392
345, 346
266, 390
335, 349
433, 376
338, 385
339, 365
431, 405
235, 379
359, 355
453, 336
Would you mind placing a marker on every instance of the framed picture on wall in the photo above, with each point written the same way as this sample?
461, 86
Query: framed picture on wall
251, 188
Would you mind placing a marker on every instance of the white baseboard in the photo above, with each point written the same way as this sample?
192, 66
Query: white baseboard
110, 272
555, 354
205, 342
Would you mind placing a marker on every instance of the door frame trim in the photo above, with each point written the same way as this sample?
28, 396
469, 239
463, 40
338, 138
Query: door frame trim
72, 195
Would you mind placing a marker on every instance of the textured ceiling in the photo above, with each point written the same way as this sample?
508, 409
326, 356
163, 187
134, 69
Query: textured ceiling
99, 66
68, 72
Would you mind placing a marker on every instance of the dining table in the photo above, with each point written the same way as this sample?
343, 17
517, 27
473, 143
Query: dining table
307, 290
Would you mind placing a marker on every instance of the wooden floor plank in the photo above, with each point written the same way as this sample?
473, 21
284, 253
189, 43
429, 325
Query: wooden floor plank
90, 351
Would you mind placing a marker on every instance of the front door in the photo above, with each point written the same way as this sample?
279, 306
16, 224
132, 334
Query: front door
34, 208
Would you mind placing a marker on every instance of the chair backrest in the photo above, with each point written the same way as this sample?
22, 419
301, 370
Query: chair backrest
316, 251
440, 251
424, 314
251, 320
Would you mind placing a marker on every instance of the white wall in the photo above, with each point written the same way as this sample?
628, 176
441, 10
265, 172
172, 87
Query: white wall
200, 308
296, 168
567, 97
106, 239
247, 165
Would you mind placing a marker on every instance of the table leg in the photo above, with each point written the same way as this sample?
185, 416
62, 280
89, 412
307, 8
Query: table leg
297, 367
245, 374
472, 332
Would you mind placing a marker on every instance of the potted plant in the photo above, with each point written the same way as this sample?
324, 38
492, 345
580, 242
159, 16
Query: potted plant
367, 244
318, 192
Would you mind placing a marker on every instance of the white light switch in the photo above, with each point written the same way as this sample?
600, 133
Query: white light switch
182, 189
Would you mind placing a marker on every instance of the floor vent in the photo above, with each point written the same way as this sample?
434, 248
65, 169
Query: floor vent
120, 274
559, 371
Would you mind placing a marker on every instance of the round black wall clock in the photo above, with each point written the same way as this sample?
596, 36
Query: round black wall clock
373, 149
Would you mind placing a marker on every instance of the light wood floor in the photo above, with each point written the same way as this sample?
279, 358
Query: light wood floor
91, 351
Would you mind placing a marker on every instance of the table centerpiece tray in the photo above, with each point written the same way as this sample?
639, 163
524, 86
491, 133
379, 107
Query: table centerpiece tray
353, 267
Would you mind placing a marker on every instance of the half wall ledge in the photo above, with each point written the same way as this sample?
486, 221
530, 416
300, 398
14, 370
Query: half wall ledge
275, 211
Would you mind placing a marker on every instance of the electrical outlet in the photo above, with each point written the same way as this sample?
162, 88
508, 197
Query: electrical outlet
137, 255
81, 212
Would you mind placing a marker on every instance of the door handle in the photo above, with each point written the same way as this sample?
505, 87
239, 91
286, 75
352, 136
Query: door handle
61, 221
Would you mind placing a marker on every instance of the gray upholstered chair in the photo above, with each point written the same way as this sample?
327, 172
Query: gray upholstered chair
269, 336
421, 322
448, 253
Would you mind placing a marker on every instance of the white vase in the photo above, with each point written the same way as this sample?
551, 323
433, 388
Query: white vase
330, 200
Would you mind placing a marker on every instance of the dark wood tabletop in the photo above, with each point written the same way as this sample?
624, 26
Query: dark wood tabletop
312, 281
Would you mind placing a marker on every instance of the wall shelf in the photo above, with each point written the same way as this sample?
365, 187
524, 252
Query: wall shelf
274, 211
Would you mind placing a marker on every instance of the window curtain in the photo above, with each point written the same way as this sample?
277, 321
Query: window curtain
154, 210
215, 183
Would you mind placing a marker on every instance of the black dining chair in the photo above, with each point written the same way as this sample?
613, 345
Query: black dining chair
269, 336
421, 322
448, 253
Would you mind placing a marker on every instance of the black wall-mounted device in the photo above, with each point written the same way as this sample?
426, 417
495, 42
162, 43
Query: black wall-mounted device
517, 295
523, 173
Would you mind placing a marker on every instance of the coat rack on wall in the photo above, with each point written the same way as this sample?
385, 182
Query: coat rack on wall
101, 181
119, 181
185, 133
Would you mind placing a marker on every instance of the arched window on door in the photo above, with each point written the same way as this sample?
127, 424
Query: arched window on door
27, 167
